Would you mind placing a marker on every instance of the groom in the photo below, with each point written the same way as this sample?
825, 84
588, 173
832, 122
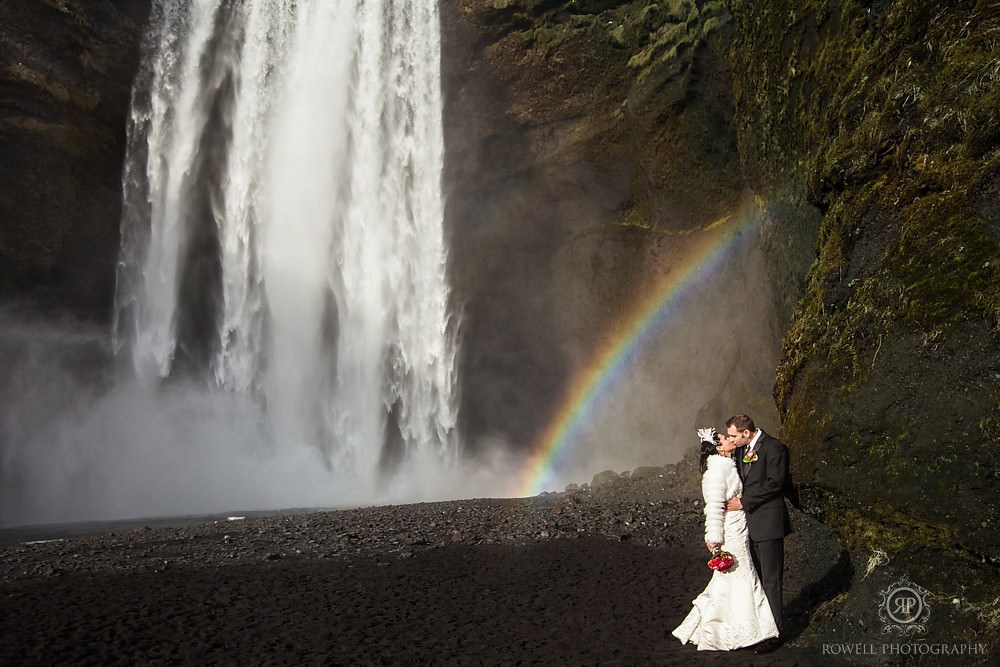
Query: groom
762, 462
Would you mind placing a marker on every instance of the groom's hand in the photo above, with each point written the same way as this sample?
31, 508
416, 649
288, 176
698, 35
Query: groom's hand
733, 504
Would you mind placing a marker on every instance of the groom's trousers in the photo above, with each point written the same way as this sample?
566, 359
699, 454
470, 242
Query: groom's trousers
769, 561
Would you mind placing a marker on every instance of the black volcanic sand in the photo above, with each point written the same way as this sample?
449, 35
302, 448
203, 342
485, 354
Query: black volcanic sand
594, 576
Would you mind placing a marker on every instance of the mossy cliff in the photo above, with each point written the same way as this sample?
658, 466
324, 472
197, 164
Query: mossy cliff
883, 115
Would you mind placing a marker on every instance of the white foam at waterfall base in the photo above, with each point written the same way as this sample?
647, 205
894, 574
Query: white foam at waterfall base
79, 446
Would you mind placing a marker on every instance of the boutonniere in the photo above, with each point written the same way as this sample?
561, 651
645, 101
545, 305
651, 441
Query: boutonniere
750, 457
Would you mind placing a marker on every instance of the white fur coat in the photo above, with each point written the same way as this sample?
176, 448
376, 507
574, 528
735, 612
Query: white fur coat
719, 483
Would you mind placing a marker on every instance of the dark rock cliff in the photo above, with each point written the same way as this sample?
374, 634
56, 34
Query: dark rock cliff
882, 116
65, 75
588, 141
591, 147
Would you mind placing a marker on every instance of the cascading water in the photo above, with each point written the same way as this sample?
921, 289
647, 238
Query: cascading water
282, 306
283, 224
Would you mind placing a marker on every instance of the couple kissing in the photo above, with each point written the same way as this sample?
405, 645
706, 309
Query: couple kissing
744, 482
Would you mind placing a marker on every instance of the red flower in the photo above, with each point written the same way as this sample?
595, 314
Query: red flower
721, 561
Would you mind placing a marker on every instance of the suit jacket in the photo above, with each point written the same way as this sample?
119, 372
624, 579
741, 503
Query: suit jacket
765, 483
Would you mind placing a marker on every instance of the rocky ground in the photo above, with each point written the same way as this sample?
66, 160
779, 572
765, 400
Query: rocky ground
593, 575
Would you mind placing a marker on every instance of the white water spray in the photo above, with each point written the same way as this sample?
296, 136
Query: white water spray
282, 294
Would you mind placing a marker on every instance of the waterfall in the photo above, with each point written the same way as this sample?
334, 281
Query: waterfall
282, 242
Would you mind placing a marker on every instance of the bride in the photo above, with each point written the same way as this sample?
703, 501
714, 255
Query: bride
732, 611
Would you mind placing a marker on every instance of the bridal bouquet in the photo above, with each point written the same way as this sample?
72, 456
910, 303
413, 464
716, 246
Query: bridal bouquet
721, 560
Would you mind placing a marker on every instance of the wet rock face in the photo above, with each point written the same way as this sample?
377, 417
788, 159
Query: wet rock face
65, 73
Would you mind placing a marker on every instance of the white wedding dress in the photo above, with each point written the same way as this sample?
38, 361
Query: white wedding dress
732, 611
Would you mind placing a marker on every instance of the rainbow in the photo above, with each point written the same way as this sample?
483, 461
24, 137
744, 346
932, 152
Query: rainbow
652, 314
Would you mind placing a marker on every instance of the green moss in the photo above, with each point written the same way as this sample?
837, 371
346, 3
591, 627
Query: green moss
713, 23
662, 43
888, 120
714, 8
948, 261
941, 267
989, 424
544, 36
884, 528
678, 10
693, 17
618, 34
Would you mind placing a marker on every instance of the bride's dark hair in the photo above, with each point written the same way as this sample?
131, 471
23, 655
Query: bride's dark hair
707, 449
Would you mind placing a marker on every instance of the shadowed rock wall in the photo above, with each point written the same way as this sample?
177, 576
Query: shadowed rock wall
65, 75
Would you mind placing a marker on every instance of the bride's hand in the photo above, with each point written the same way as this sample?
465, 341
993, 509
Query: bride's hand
711, 546
733, 504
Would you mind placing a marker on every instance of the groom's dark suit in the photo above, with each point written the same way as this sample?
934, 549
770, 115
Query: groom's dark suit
765, 482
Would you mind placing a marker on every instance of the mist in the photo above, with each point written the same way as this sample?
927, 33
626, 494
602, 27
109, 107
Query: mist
83, 438
84, 441
706, 353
